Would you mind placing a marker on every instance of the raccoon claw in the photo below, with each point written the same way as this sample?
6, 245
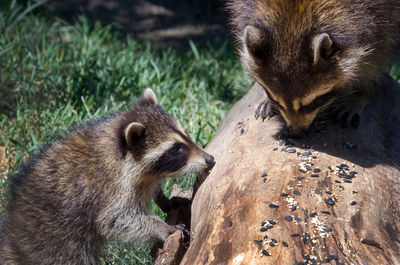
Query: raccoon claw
180, 227
264, 110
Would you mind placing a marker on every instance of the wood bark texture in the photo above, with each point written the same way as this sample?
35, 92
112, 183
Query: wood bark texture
264, 204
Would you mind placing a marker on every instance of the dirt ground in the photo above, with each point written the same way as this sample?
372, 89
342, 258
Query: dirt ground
166, 22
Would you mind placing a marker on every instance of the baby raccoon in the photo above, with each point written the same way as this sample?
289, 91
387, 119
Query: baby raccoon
310, 55
96, 184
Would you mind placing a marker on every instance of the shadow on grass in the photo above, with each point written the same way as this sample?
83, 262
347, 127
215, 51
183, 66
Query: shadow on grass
165, 22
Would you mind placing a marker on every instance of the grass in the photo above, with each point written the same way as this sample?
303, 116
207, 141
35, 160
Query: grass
54, 74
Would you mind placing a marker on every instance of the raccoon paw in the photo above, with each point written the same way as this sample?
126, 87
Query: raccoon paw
180, 227
177, 227
349, 115
264, 110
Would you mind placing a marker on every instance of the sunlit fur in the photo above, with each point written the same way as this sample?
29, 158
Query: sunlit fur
94, 185
364, 35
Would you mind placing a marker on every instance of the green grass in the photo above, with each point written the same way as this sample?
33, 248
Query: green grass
54, 74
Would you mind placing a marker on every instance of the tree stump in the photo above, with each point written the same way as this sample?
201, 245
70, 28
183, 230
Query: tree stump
332, 197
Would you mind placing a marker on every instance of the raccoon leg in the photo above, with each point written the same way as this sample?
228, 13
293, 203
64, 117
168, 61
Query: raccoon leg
264, 110
163, 201
136, 226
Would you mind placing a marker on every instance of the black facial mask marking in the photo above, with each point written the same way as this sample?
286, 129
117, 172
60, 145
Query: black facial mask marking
172, 160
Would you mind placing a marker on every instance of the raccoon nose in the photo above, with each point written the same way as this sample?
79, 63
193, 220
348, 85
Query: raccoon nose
209, 159
297, 132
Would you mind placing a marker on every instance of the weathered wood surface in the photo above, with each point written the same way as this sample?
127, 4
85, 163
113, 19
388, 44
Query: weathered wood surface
229, 207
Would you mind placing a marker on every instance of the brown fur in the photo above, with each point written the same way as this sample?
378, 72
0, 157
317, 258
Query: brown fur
91, 186
280, 52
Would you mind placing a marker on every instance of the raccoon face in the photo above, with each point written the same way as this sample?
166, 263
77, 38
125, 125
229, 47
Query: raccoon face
158, 142
301, 73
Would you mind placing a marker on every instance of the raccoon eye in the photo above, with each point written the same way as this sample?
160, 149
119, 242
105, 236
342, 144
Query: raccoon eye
178, 149
317, 102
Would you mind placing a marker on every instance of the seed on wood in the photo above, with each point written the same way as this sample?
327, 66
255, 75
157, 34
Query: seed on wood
263, 175
328, 192
314, 176
308, 167
330, 168
291, 150
312, 214
371, 242
307, 153
344, 166
271, 244
303, 170
344, 176
352, 173
353, 203
273, 205
285, 244
298, 153
298, 219
341, 187
295, 235
347, 181
242, 131
330, 201
281, 142
258, 241
294, 207
354, 192
270, 227
332, 257
316, 170
325, 183
272, 222
338, 181
307, 235
284, 194
304, 240
296, 192
275, 148
313, 157
263, 229
288, 218
265, 253
263, 223
327, 229
265, 237
265, 179
326, 212
274, 240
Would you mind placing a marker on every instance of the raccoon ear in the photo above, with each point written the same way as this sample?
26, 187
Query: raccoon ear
254, 40
133, 132
148, 94
322, 47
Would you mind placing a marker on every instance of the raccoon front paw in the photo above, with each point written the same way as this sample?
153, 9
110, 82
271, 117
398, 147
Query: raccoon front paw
177, 227
349, 115
182, 228
264, 110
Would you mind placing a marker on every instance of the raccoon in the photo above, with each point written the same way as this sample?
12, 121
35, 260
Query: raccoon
314, 55
95, 184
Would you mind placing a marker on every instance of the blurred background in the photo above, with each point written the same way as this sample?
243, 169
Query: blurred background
64, 62
166, 22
